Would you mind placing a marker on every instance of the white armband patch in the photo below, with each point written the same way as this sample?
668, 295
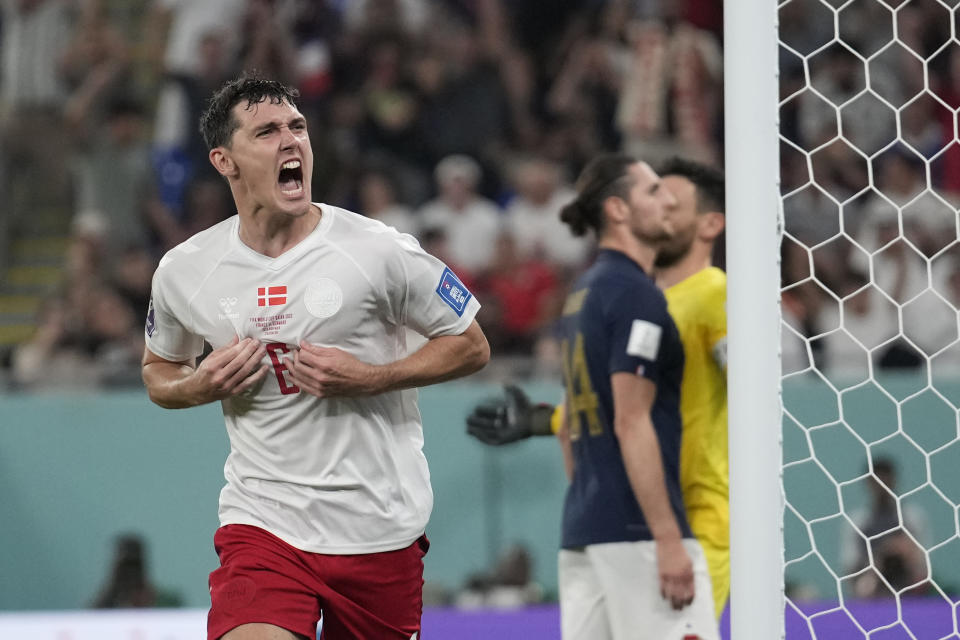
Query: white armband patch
644, 341
720, 353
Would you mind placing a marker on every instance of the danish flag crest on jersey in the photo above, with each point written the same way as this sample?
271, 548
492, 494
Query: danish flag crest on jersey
270, 296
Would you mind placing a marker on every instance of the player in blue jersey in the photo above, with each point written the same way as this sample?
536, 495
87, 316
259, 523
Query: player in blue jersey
629, 565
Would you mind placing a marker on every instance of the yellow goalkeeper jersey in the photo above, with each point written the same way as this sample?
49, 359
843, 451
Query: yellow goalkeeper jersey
698, 307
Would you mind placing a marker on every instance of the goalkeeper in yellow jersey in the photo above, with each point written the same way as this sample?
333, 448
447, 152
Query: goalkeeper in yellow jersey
696, 298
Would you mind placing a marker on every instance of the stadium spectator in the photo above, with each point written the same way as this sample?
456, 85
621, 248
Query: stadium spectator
508, 585
96, 69
131, 276
838, 77
898, 270
896, 533
794, 356
391, 103
174, 31
523, 295
411, 16
869, 322
52, 358
178, 156
668, 103
33, 93
207, 202
266, 45
532, 217
947, 89
112, 337
87, 333
464, 104
129, 584
377, 199
434, 242
470, 222
114, 177
585, 88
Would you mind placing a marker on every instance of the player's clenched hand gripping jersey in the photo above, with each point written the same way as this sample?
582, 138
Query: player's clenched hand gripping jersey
328, 475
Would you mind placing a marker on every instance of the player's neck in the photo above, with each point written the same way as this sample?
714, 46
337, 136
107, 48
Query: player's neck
642, 254
272, 234
696, 260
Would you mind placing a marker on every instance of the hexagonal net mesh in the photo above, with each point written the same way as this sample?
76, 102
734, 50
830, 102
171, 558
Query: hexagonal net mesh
870, 175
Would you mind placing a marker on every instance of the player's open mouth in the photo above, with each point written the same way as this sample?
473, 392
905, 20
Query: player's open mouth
291, 178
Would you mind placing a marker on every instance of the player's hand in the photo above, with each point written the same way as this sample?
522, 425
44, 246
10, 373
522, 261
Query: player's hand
230, 370
676, 572
504, 420
327, 372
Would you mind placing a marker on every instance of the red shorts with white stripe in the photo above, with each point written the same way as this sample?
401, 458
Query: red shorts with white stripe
263, 579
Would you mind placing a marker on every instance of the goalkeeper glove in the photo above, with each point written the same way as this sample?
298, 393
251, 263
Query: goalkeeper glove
508, 419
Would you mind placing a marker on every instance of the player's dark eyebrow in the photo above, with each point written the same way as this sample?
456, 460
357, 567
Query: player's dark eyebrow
276, 124
266, 126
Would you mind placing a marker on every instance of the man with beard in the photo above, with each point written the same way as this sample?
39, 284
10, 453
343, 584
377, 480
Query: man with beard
629, 566
696, 297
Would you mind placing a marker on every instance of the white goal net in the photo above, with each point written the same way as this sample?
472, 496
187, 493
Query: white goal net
870, 277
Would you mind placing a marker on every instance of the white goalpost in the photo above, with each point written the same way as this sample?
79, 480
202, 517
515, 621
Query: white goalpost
753, 294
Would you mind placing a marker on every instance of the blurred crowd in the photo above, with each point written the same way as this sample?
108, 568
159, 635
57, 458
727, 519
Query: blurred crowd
869, 171
461, 122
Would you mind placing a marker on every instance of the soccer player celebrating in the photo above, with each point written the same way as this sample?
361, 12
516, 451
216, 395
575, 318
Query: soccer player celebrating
629, 566
696, 299
307, 308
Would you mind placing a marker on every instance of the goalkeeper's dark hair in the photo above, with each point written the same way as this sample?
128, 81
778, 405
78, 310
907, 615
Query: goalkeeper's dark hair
604, 176
217, 123
709, 181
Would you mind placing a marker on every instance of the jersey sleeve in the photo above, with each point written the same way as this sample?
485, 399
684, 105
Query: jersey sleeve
636, 325
165, 333
427, 295
714, 305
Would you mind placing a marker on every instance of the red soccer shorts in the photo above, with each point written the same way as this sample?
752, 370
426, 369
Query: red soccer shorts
263, 579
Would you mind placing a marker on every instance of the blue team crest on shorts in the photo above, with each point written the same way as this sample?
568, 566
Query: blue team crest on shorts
453, 292
151, 319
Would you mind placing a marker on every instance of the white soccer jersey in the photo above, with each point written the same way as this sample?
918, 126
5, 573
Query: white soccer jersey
330, 475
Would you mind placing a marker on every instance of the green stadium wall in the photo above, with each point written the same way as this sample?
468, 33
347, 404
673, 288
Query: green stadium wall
77, 470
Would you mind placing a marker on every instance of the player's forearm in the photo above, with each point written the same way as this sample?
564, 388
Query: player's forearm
641, 457
440, 359
563, 436
168, 385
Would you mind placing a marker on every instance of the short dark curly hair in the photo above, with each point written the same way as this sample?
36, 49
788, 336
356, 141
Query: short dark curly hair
217, 123
709, 181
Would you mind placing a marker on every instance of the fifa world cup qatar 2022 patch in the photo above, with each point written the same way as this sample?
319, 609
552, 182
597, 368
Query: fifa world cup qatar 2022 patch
453, 292
644, 340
